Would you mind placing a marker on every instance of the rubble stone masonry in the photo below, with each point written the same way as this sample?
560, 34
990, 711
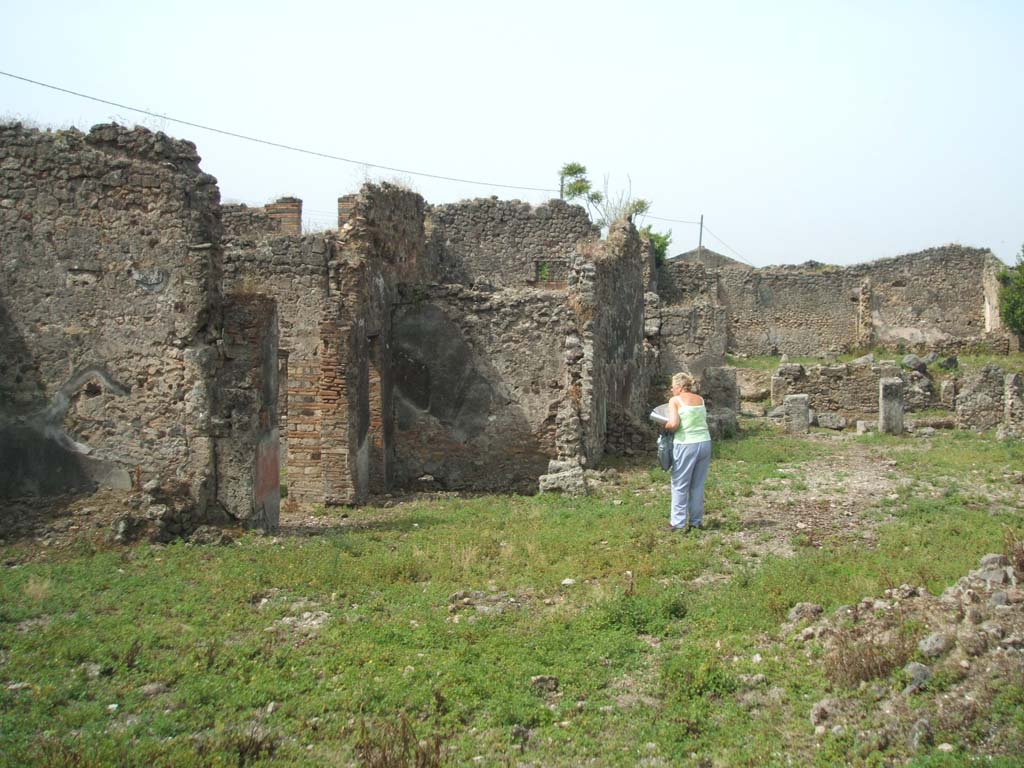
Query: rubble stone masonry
110, 315
938, 299
151, 335
507, 243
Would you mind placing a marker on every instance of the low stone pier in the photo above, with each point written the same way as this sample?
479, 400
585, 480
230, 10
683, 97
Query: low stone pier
890, 406
797, 414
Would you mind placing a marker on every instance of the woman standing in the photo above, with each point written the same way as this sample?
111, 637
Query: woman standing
688, 418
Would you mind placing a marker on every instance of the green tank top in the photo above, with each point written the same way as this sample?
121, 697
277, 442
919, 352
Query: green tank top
693, 425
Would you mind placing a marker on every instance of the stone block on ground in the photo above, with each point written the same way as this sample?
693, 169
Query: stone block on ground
571, 482
831, 420
797, 414
890, 406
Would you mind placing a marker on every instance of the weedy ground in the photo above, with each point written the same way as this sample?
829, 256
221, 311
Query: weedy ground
539, 631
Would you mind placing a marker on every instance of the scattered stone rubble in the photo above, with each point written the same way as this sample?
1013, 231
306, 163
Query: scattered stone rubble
906, 688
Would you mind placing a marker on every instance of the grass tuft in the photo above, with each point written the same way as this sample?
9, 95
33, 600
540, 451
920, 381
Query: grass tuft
393, 744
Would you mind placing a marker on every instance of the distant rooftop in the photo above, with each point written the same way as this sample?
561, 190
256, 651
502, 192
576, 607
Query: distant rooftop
710, 258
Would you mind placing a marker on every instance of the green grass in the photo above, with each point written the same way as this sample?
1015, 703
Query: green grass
648, 664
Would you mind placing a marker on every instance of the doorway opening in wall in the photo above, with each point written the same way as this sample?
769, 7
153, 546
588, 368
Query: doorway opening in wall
375, 437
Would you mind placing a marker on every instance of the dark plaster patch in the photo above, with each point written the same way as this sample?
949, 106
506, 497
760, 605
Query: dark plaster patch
435, 372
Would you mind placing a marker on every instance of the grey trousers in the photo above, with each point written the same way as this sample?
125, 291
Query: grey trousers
689, 471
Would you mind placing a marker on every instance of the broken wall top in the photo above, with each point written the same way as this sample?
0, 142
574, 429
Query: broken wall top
507, 243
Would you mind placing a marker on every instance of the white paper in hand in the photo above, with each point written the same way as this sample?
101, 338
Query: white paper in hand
660, 414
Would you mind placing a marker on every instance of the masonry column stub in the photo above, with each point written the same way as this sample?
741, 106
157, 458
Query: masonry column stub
890, 406
797, 414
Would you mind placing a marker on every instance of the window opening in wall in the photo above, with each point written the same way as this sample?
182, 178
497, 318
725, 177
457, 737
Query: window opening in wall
550, 273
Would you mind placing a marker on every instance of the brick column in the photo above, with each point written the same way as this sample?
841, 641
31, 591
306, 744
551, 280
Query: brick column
287, 212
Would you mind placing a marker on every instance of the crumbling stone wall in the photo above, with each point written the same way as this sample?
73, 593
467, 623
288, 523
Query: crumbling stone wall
795, 310
335, 295
479, 375
693, 324
609, 357
111, 318
381, 244
283, 217
507, 243
980, 399
294, 271
156, 337
607, 295
246, 393
851, 389
938, 299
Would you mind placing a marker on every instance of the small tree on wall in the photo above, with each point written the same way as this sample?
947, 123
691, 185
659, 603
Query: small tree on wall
659, 242
573, 184
607, 207
1011, 295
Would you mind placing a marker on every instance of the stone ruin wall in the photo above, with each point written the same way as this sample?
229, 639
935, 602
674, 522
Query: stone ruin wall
992, 399
294, 271
851, 389
693, 325
987, 399
335, 292
282, 217
507, 243
371, 325
476, 344
610, 361
479, 376
381, 245
941, 299
795, 311
111, 318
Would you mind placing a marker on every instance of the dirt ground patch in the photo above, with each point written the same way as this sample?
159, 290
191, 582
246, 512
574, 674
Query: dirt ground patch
832, 498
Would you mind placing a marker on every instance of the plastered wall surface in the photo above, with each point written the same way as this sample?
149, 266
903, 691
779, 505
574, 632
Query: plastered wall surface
111, 316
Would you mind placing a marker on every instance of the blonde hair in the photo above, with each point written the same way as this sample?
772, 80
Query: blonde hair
683, 380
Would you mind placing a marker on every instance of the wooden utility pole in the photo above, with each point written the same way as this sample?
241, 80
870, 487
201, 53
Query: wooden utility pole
700, 239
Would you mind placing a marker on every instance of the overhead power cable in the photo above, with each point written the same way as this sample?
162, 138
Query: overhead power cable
674, 221
734, 251
328, 156
277, 144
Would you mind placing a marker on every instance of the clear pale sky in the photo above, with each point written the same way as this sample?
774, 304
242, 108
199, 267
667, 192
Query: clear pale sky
834, 131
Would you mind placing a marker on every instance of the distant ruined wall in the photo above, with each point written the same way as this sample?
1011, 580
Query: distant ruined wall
381, 244
506, 243
151, 334
851, 389
246, 390
790, 310
111, 317
693, 323
940, 299
294, 271
282, 217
